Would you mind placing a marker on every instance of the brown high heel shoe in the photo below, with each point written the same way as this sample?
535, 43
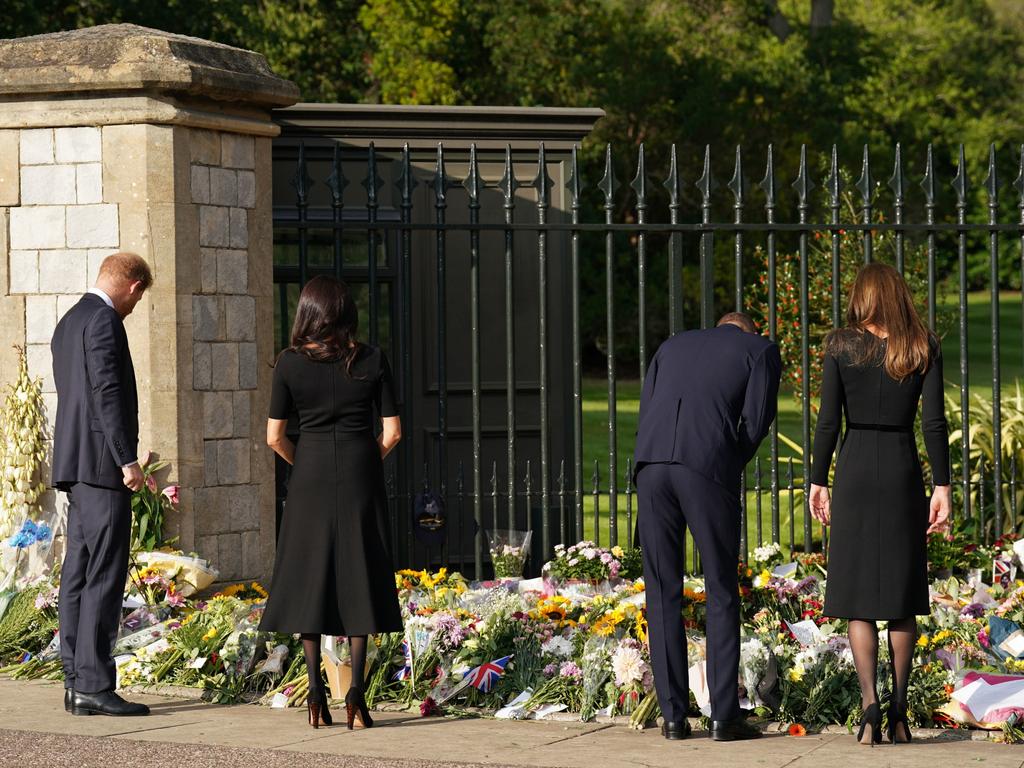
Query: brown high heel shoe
325, 712
313, 708
356, 709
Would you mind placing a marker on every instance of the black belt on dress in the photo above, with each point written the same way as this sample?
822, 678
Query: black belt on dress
879, 427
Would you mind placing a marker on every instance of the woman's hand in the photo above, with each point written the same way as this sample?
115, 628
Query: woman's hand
821, 504
391, 433
278, 440
938, 510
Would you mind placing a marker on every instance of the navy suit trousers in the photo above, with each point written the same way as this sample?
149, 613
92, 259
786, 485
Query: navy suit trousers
92, 583
673, 498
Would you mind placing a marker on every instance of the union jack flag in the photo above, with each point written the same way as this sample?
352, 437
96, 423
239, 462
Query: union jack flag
406, 671
486, 675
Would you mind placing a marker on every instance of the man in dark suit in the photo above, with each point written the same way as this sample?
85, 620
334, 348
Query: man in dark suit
707, 403
95, 461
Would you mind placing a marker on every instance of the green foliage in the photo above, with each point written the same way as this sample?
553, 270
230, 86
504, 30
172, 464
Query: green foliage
23, 627
982, 447
149, 507
689, 72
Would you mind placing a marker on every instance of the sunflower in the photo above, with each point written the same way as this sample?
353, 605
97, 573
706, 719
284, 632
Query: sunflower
640, 627
554, 608
606, 625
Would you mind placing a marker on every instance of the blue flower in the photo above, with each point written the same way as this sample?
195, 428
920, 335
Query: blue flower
43, 533
29, 534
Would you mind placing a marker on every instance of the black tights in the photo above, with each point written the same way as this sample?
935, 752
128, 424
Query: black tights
311, 648
864, 644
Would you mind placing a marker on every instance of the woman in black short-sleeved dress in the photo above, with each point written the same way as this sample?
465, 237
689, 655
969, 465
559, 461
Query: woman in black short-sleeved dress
333, 574
876, 370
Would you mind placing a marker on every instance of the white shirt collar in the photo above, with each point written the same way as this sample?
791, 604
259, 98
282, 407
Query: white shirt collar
106, 299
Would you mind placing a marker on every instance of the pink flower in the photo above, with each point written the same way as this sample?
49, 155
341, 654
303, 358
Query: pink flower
151, 483
144, 458
171, 492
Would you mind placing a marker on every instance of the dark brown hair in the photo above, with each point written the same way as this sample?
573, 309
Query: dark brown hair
880, 297
740, 320
326, 322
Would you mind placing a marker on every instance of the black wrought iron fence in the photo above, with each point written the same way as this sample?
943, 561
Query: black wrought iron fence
789, 274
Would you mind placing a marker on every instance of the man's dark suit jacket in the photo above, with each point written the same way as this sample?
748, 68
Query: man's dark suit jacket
708, 401
97, 426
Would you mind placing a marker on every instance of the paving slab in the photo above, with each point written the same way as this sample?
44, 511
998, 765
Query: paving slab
35, 730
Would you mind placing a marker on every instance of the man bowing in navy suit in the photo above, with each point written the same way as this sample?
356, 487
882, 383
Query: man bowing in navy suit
95, 461
707, 403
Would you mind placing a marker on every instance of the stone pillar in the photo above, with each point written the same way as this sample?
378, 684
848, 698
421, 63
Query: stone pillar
125, 138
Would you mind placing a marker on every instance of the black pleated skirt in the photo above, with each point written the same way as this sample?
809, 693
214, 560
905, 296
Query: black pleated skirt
878, 551
333, 573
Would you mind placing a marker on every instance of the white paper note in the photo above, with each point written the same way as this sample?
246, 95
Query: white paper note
806, 632
784, 571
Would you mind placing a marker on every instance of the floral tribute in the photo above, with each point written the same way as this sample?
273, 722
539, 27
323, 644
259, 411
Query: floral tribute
574, 641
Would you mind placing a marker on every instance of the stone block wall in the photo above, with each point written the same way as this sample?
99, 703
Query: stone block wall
60, 228
158, 144
184, 199
222, 182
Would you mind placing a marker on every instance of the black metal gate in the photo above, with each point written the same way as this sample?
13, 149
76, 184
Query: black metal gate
474, 362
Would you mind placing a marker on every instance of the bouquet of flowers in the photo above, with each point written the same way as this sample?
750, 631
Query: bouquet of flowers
585, 561
509, 550
631, 675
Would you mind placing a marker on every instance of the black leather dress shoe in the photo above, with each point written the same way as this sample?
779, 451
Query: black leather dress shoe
734, 730
675, 731
69, 694
105, 703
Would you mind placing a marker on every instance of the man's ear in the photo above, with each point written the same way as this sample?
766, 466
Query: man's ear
136, 288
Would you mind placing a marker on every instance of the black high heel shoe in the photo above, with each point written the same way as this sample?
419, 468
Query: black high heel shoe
355, 708
871, 716
898, 717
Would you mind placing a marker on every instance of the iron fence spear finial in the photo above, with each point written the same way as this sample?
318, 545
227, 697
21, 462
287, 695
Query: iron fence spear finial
639, 183
736, 184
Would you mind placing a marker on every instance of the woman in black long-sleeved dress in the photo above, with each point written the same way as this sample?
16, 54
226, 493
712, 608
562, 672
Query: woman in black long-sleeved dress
875, 372
333, 573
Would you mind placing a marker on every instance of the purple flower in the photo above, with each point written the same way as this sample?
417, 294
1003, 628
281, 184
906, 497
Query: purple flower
972, 611
569, 669
450, 631
551, 670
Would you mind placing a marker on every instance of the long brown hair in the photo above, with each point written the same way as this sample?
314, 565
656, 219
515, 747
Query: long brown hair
880, 297
326, 322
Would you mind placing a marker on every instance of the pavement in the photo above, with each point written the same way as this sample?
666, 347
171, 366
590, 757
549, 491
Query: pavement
187, 733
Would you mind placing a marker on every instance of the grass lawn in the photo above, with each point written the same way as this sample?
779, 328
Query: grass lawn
595, 420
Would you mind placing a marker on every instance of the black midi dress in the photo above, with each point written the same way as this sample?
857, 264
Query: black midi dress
333, 573
878, 561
